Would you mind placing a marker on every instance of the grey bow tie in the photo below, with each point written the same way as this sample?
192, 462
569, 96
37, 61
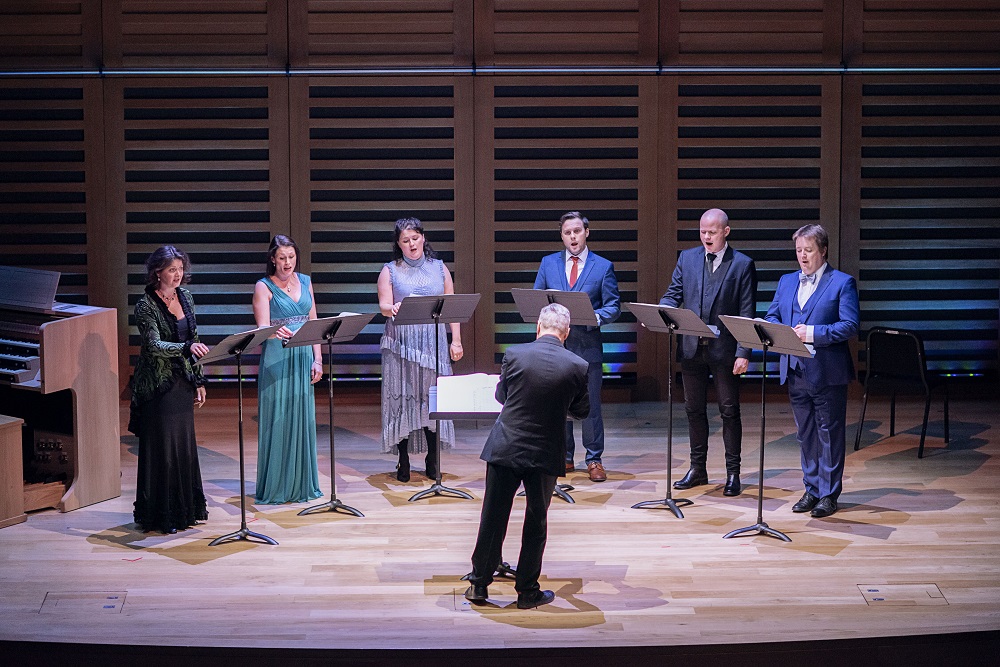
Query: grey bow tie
810, 279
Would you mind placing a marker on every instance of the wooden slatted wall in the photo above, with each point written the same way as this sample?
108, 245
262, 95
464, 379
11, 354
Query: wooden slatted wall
764, 149
201, 165
50, 34
751, 32
366, 153
922, 32
548, 146
566, 32
926, 153
51, 184
353, 33
195, 33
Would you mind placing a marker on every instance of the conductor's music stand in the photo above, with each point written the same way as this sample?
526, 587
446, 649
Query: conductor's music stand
673, 322
330, 330
236, 345
762, 335
581, 312
436, 310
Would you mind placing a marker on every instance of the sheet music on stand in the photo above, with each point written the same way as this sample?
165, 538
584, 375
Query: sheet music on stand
471, 396
779, 337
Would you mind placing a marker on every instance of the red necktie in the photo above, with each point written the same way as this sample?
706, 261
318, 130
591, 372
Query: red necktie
573, 270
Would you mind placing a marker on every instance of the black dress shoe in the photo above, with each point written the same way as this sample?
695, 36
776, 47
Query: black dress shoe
806, 503
534, 599
477, 593
825, 507
692, 478
733, 487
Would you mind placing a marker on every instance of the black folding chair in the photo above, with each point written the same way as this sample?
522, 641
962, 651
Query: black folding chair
897, 363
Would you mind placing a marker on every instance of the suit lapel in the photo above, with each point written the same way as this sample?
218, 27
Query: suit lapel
581, 280
814, 298
699, 282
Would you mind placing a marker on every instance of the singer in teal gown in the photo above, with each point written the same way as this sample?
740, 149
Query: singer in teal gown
287, 469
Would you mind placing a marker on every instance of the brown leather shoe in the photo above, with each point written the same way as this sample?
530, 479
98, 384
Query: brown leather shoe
596, 472
570, 467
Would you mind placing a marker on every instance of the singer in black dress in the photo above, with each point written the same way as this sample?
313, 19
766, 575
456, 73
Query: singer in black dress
166, 387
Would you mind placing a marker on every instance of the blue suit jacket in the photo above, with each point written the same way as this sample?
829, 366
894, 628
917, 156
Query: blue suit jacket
599, 282
834, 312
734, 295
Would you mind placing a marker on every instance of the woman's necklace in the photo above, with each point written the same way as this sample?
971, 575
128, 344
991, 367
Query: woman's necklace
288, 284
168, 299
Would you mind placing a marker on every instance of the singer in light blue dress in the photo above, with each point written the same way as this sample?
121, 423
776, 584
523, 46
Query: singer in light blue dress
287, 469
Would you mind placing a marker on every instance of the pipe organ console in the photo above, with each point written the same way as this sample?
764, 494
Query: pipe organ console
59, 374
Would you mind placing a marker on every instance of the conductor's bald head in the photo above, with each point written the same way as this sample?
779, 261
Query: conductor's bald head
553, 320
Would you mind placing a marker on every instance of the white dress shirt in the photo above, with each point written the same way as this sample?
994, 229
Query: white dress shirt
806, 290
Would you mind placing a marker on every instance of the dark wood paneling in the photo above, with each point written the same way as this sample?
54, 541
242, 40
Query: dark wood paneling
367, 33
50, 34
929, 211
50, 159
923, 32
376, 150
193, 33
551, 146
764, 149
751, 32
197, 159
562, 32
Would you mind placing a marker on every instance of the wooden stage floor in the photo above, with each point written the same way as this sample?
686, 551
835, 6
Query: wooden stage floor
914, 551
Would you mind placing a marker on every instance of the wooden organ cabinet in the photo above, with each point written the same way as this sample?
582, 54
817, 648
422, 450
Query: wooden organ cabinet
59, 374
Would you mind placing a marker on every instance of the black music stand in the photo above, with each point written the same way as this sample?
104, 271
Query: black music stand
236, 345
673, 322
330, 330
581, 312
763, 335
437, 310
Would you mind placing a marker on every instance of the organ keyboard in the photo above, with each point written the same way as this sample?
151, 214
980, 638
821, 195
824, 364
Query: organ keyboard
59, 373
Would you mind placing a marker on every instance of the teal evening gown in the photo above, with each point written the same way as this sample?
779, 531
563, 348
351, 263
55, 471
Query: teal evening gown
287, 469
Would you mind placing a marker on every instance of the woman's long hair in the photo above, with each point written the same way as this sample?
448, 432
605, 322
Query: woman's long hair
163, 257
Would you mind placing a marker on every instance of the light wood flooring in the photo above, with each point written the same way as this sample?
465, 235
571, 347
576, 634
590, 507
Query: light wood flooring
915, 549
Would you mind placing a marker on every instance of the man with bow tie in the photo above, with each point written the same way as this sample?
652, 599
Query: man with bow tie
821, 304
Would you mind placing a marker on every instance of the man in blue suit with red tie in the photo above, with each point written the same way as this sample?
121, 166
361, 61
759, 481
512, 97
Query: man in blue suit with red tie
577, 269
821, 305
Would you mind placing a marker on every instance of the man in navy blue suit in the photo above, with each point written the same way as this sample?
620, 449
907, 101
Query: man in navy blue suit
713, 280
577, 269
821, 304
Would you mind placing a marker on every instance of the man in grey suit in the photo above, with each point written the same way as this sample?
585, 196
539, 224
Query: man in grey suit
540, 384
713, 280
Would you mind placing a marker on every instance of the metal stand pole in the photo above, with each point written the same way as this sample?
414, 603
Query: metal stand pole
332, 505
243, 533
438, 489
668, 502
760, 527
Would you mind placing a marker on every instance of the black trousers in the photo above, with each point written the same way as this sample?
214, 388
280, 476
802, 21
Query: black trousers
695, 373
501, 485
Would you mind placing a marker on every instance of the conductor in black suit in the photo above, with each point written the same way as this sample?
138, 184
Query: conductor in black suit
540, 384
713, 280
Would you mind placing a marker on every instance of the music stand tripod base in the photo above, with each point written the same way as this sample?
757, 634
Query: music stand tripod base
761, 529
504, 571
559, 491
331, 506
243, 533
672, 504
438, 489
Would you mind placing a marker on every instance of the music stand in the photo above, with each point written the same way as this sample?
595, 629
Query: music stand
581, 312
673, 322
436, 310
763, 335
236, 345
330, 330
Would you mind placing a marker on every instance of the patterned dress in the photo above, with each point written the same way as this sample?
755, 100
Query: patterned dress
287, 470
408, 362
